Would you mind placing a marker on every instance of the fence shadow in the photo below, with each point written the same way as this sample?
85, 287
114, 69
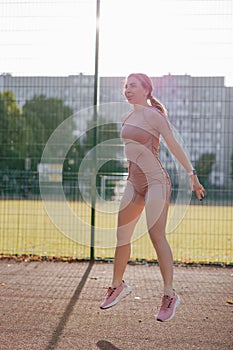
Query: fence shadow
58, 331
106, 345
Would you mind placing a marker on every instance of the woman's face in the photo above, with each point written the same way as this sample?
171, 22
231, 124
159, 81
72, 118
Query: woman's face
135, 92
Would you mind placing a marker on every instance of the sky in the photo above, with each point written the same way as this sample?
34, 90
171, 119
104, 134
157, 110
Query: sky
156, 37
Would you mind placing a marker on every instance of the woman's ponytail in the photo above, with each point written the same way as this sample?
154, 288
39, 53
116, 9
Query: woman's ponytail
157, 104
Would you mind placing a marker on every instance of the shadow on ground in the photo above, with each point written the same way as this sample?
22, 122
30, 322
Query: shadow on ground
106, 345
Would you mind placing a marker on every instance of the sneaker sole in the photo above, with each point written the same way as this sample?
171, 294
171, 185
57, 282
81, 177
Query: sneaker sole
126, 291
174, 311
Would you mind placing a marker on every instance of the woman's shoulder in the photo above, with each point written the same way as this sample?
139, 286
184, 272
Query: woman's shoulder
158, 120
154, 116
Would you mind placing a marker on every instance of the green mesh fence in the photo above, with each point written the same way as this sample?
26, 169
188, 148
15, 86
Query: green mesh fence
46, 198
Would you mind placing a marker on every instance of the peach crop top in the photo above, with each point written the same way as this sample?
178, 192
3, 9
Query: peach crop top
145, 129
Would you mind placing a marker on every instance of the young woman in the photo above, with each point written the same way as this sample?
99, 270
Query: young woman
148, 186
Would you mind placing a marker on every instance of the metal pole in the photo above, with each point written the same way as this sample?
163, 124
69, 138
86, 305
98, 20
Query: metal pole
95, 117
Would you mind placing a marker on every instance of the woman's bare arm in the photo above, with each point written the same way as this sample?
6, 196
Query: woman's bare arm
178, 151
181, 156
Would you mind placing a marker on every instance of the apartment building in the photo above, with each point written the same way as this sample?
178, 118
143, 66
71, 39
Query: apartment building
76, 91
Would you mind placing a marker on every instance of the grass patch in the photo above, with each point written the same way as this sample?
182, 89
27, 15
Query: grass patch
205, 234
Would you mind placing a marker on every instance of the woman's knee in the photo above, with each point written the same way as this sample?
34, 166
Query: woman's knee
157, 236
124, 234
123, 239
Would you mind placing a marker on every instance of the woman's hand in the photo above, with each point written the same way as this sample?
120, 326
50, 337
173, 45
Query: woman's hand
197, 187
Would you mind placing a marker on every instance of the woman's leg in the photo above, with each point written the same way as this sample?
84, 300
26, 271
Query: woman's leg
156, 211
131, 207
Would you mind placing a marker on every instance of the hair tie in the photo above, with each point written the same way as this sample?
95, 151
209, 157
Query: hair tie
149, 97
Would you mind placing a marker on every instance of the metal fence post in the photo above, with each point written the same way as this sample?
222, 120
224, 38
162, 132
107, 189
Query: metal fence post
95, 118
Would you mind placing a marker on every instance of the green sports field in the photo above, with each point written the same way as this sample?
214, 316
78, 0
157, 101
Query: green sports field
204, 234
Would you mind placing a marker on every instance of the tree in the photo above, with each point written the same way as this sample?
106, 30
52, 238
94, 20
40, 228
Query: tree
232, 166
204, 167
12, 124
42, 115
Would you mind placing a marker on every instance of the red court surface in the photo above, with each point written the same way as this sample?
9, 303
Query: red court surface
55, 305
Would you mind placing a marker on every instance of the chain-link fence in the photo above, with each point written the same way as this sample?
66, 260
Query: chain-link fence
59, 159
201, 112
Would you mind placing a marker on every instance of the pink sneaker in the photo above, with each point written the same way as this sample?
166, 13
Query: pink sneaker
168, 308
114, 295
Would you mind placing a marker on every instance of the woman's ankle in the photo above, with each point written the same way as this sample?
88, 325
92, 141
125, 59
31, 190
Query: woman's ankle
116, 283
169, 291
